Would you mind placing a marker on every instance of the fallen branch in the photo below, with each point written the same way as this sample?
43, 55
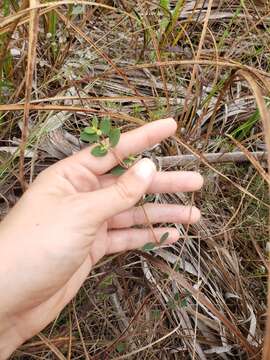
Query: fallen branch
181, 160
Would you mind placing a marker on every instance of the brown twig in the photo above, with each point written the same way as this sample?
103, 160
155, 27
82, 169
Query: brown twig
33, 35
237, 156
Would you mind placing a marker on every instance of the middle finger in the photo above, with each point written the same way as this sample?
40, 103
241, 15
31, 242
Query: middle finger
166, 182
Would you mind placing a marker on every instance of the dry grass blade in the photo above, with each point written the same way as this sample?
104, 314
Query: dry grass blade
35, 6
187, 63
87, 357
157, 51
52, 347
197, 57
86, 110
21, 20
31, 61
253, 160
128, 356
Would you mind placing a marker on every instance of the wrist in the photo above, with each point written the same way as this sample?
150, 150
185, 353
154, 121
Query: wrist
10, 340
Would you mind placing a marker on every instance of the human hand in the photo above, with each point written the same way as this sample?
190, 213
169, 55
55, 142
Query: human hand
69, 218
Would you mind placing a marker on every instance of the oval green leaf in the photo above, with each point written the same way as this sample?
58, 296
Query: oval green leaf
114, 136
105, 126
118, 170
99, 151
95, 122
149, 246
90, 138
163, 238
89, 130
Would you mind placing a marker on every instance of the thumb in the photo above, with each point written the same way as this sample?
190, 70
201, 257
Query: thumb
125, 193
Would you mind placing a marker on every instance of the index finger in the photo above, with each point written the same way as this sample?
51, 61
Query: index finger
131, 143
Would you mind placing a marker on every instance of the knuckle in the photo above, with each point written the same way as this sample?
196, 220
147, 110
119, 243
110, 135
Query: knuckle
125, 192
136, 215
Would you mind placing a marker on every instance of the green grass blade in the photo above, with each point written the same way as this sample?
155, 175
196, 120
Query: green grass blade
6, 7
171, 22
165, 4
244, 129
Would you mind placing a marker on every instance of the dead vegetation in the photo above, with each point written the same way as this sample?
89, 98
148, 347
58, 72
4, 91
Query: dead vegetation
207, 64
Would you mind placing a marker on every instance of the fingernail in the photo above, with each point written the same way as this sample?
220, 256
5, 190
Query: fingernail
144, 168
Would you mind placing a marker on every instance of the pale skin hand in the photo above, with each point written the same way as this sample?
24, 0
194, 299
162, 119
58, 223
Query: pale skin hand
69, 218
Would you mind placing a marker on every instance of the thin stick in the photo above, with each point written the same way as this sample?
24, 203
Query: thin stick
33, 34
237, 156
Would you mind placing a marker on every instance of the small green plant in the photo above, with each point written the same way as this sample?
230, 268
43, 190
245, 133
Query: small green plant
150, 246
120, 169
137, 109
103, 133
178, 301
106, 287
170, 18
121, 347
107, 281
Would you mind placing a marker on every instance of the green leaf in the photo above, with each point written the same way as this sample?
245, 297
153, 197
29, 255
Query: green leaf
88, 137
89, 130
105, 126
163, 238
95, 122
99, 151
118, 170
107, 281
121, 347
244, 130
114, 136
149, 246
130, 160
184, 302
165, 4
